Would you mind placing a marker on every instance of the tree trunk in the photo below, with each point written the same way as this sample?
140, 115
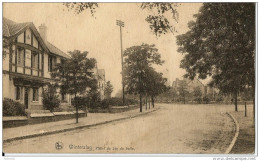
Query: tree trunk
146, 101
77, 112
153, 101
149, 103
235, 95
141, 102
184, 98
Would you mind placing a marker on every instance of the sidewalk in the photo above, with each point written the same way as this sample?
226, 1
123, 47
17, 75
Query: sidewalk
93, 119
245, 143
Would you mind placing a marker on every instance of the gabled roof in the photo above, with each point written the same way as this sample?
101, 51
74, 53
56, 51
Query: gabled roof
53, 49
12, 29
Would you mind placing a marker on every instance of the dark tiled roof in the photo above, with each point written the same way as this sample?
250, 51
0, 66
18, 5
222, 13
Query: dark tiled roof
11, 28
53, 49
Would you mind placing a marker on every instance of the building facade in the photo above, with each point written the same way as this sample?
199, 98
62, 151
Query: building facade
28, 62
191, 84
99, 75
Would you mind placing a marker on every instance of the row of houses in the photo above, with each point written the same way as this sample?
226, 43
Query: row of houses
28, 62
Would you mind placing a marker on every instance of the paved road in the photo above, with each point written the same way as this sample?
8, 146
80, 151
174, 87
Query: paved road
172, 129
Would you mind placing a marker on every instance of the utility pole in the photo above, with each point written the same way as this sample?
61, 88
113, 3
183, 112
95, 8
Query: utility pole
122, 24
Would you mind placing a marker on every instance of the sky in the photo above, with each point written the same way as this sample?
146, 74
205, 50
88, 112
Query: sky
100, 36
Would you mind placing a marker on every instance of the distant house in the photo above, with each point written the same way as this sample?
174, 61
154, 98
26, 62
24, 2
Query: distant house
191, 84
99, 75
29, 60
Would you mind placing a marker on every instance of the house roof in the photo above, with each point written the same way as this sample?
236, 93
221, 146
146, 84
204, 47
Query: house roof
53, 49
11, 28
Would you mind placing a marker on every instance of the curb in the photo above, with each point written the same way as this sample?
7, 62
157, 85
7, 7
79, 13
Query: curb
74, 128
230, 147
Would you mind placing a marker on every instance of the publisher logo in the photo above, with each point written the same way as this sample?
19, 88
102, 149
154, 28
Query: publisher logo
58, 145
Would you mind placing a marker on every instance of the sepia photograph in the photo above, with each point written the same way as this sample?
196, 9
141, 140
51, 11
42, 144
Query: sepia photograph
129, 78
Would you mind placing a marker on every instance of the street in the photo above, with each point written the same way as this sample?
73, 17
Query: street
175, 128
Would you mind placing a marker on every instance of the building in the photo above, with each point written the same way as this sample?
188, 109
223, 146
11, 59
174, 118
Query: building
99, 75
191, 84
211, 92
28, 63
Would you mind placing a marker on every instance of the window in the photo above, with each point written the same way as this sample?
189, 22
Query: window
17, 93
34, 60
51, 63
20, 56
35, 94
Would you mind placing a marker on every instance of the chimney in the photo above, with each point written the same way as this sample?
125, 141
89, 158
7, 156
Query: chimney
43, 32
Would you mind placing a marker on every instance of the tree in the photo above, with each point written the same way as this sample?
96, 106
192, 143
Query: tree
221, 45
197, 94
138, 60
157, 19
155, 84
182, 89
93, 95
108, 89
74, 75
50, 98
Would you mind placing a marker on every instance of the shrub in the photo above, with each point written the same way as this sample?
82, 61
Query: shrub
105, 103
206, 99
219, 98
50, 99
13, 108
80, 102
115, 101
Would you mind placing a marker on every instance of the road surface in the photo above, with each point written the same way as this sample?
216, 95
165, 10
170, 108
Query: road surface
187, 129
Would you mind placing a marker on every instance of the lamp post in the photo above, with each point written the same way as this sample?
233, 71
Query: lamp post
121, 24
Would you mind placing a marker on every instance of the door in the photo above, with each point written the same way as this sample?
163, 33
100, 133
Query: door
26, 97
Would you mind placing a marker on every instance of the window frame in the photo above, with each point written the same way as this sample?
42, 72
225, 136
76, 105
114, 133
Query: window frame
20, 56
35, 94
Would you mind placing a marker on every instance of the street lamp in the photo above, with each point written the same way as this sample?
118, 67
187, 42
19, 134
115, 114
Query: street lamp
121, 24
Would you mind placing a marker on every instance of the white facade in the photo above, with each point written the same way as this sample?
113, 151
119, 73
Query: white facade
27, 67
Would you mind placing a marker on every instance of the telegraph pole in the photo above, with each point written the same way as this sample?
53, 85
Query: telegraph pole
121, 24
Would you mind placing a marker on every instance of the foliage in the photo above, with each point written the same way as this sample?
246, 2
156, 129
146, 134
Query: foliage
115, 101
74, 76
183, 91
78, 7
157, 19
219, 98
197, 94
155, 84
221, 44
80, 102
105, 103
206, 99
13, 108
93, 95
247, 94
50, 98
108, 89
138, 69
